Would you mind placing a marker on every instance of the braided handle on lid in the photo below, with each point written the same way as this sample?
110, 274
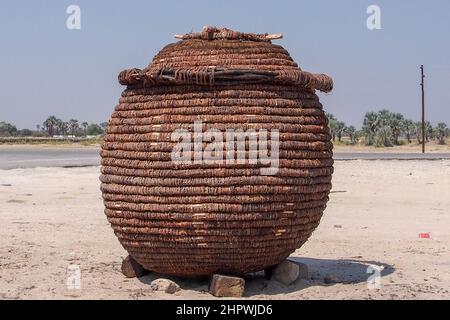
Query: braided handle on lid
214, 33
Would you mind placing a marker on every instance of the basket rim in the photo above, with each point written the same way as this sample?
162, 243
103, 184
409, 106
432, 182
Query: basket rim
212, 75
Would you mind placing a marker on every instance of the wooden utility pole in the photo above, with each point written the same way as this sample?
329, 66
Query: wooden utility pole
422, 84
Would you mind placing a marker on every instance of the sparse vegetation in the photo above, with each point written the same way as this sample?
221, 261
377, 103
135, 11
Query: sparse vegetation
7, 130
54, 131
380, 129
387, 129
50, 141
72, 128
442, 131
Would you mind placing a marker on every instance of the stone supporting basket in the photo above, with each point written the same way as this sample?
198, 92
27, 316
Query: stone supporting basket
198, 219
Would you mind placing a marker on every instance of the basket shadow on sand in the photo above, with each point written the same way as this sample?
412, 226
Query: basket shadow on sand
344, 271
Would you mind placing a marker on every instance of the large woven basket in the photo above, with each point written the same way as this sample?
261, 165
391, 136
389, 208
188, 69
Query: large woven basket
197, 219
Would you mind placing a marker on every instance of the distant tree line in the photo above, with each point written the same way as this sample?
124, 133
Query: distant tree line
381, 129
385, 129
53, 126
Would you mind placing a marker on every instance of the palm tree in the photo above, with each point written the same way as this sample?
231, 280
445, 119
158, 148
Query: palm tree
351, 131
428, 131
369, 127
333, 125
418, 126
340, 130
61, 125
409, 129
383, 137
383, 127
397, 124
50, 125
441, 132
85, 126
73, 126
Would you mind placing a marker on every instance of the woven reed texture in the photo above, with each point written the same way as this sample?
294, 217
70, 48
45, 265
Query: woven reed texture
197, 219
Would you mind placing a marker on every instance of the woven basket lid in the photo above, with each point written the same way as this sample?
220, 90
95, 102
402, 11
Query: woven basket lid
223, 56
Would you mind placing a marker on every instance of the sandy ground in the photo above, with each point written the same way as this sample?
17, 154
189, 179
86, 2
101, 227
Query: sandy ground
51, 218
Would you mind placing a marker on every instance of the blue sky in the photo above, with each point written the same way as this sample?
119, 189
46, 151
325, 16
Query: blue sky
48, 69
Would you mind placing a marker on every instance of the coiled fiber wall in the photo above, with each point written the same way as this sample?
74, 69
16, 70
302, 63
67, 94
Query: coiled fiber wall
197, 219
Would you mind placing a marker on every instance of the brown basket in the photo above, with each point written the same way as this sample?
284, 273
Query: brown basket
197, 219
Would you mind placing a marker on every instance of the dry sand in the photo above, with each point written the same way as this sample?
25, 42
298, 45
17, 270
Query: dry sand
52, 218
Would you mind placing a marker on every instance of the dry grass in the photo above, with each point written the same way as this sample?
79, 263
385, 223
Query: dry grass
50, 141
413, 147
